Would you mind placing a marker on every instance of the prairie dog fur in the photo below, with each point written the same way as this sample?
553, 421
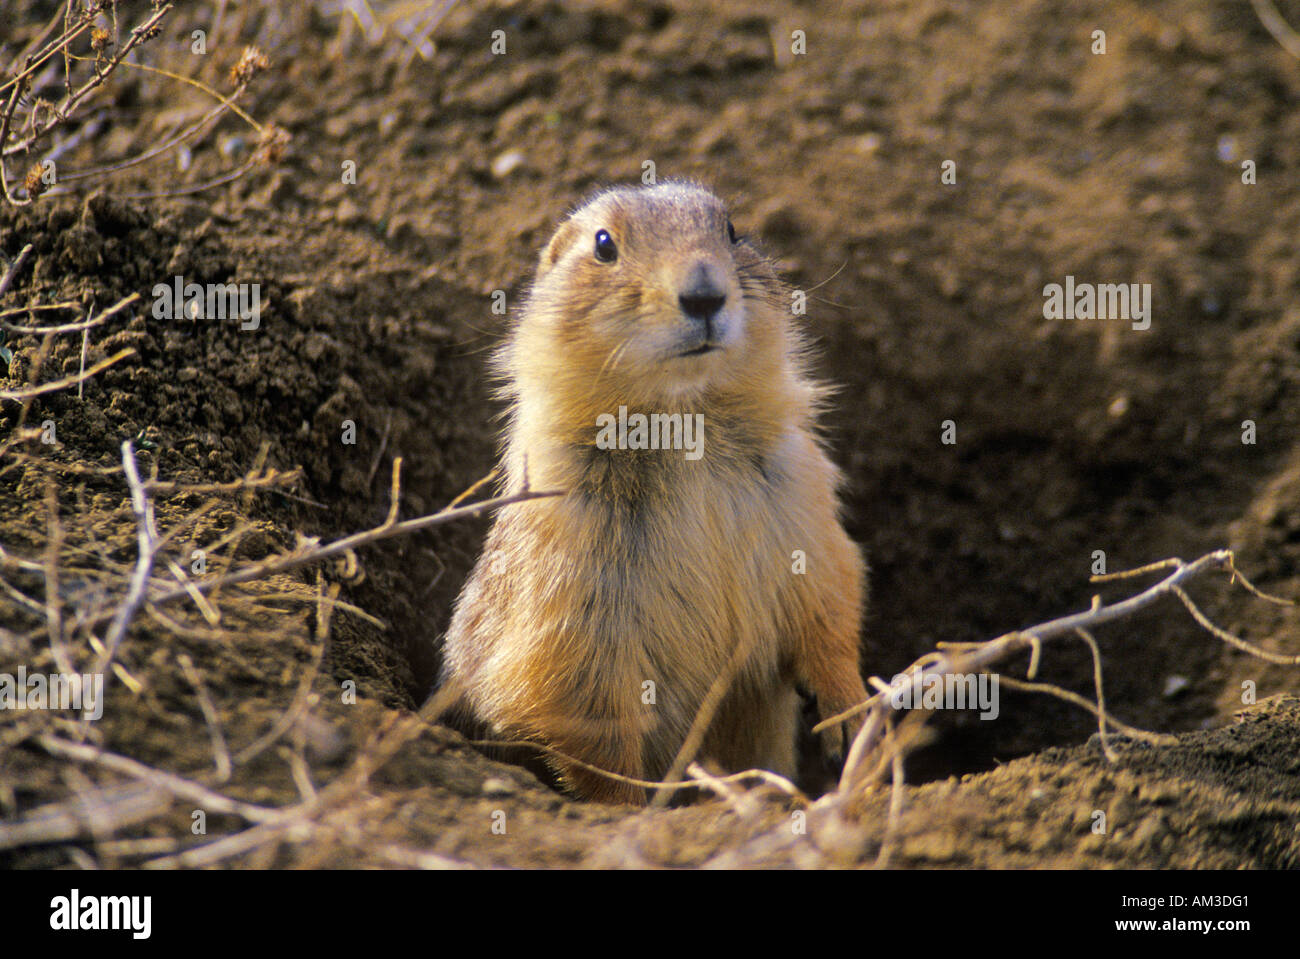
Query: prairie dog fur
596, 622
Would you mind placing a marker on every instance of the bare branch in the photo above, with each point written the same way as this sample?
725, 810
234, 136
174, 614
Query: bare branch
386, 530
1282, 31
17, 264
55, 385
176, 785
146, 536
221, 755
72, 327
982, 656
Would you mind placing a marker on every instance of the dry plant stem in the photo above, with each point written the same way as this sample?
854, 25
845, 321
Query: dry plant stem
896, 796
30, 565
225, 104
902, 738
56, 385
742, 804
303, 699
97, 815
64, 110
23, 599
477, 485
763, 775
1239, 577
386, 530
59, 114
263, 600
209, 612
53, 604
1101, 696
283, 563
7, 280
269, 822
146, 536
116, 807
1231, 640
1132, 732
176, 785
81, 373
419, 859
302, 776
221, 180
1273, 22
125, 848
69, 327
4, 135
379, 454
221, 755
983, 656
224, 848
253, 481
703, 717
33, 59
67, 59
36, 308
381, 747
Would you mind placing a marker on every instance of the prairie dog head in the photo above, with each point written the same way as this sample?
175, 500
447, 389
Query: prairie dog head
646, 296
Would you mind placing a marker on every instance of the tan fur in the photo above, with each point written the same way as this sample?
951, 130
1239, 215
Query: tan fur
655, 568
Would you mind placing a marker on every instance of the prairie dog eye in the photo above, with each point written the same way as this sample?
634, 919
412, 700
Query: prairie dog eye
731, 233
606, 251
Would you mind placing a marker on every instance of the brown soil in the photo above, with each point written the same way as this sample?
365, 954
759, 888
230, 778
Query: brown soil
1072, 435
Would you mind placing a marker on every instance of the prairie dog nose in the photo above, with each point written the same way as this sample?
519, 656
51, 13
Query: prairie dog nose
702, 295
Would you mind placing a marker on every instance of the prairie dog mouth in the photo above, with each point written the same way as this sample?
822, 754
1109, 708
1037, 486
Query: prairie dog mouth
700, 350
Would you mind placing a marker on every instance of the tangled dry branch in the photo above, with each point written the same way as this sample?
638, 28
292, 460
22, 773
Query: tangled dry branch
79, 51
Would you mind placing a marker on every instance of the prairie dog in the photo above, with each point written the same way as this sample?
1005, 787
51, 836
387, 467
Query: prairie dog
596, 622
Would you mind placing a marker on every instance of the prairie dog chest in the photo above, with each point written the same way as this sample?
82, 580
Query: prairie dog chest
696, 562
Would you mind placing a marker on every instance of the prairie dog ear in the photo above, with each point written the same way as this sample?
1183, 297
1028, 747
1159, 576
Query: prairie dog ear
564, 237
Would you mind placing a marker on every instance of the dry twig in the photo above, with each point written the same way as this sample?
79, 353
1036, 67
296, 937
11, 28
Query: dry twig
984, 655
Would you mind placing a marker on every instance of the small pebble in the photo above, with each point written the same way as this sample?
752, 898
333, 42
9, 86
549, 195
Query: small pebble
506, 163
498, 787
